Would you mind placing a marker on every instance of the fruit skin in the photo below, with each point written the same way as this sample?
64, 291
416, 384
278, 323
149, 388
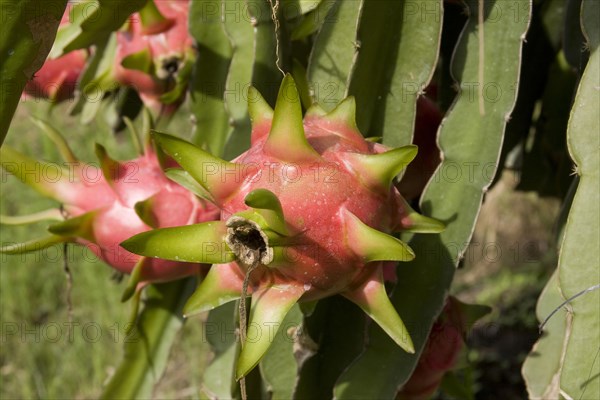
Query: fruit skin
100, 205
423, 167
440, 354
57, 79
314, 195
138, 180
312, 200
166, 47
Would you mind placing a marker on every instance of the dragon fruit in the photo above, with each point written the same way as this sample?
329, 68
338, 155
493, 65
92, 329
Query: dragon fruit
307, 212
57, 79
441, 353
419, 172
155, 53
104, 206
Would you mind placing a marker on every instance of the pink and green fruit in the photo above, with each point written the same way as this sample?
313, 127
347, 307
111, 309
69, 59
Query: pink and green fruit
155, 50
103, 206
419, 172
310, 209
440, 354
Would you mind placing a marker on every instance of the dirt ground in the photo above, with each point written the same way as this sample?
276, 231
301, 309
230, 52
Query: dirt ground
509, 260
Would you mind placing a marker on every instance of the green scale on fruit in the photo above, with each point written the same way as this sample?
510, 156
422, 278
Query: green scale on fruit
311, 205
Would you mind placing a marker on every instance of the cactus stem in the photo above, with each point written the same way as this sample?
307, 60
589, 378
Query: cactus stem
134, 279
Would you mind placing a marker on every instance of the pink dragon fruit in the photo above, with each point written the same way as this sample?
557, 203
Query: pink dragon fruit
104, 206
440, 355
309, 206
155, 53
57, 79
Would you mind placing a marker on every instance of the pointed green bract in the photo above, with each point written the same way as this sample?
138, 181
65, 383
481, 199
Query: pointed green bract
153, 21
80, 226
343, 119
183, 178
216, 289
147, 126
110, 168
140, 61
315, 110
287, 140
219, 177
373, 299
201, 243
269, 308
143, 209
134, 134
269, 206
417, 223
58, 140
53, 213
32, 245
260, 111
345, 112
134, 279
372, 245
42, 177
378, 171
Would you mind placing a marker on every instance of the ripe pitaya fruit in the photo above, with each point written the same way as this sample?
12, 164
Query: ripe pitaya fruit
57, 79
419, 172
440, 355
310, 206
155, 53
104, 206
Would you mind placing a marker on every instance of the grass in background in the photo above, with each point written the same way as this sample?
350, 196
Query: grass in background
42, 354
